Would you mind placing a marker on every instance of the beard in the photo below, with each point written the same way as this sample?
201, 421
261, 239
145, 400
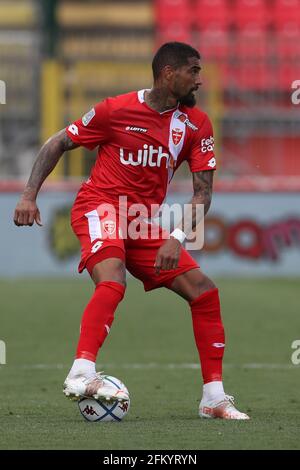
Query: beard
188, 100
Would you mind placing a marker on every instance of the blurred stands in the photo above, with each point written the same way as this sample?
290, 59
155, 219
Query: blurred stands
250, 50
112, 30
173, 20
254, 46
106, 47
100, 48
20, 42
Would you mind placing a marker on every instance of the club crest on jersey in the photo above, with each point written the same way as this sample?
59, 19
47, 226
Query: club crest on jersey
109, 227
86, 119
177, 135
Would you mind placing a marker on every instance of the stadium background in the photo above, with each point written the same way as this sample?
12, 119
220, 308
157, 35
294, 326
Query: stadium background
57, 59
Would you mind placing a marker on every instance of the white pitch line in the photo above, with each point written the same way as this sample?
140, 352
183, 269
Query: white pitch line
154, 365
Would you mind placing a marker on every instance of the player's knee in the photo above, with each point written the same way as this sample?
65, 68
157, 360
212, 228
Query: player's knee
207, 284
201, 285
112, 269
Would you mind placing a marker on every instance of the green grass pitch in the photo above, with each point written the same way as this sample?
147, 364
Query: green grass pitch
151, 348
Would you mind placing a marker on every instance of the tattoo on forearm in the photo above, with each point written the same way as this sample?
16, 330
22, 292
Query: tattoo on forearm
199, 205
67, 143
46, 161
203, 182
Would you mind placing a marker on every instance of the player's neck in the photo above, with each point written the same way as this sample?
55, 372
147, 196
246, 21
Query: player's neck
160, 100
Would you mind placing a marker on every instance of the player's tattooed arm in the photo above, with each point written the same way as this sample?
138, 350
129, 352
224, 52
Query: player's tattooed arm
46, 161
26, 211
203, 188
168, 254
200, 202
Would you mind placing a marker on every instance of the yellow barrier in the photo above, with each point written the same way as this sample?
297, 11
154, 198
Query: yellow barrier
52, 105
127, 14
17, 14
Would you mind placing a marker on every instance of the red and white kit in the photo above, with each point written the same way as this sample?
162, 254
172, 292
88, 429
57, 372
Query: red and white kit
139, 151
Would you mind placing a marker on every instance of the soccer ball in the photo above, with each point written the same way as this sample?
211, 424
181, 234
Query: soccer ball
101, 410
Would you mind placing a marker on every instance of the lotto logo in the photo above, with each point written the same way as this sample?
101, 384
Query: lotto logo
136, 129
73, 129
96, 247
207, 145
212, 162
218, 345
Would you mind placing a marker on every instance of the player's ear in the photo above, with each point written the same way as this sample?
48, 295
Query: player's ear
168, 72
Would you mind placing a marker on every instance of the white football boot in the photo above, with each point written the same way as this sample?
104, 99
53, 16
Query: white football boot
80, 386
223, 409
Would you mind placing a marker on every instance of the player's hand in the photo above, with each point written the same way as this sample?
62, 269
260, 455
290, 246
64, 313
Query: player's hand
26, 213
167, 256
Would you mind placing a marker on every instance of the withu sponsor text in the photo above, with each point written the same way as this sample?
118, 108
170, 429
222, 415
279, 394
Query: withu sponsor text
148, 156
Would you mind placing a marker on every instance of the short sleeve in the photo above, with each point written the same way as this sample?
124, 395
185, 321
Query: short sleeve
92, 129
202, 155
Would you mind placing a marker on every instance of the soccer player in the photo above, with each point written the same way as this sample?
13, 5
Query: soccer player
142, 138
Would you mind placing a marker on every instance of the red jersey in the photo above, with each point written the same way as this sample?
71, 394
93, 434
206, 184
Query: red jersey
139, 149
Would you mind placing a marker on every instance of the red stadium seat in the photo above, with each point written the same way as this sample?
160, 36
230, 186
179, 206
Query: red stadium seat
174, 31
254, 75
286, 14
251, 14
287, 73
172, 11
288, 44
211, 14
252, 44
214, 45
226, 77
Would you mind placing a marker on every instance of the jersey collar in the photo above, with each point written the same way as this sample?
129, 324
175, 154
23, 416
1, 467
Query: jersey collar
141, 99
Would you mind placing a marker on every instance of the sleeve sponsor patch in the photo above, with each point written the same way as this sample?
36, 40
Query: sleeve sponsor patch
207, 145
86, 119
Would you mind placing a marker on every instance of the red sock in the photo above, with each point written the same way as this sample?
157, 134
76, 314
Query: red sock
97, 318
209, 334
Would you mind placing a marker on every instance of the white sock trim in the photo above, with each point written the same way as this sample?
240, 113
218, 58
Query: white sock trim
82, 367
213, 391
